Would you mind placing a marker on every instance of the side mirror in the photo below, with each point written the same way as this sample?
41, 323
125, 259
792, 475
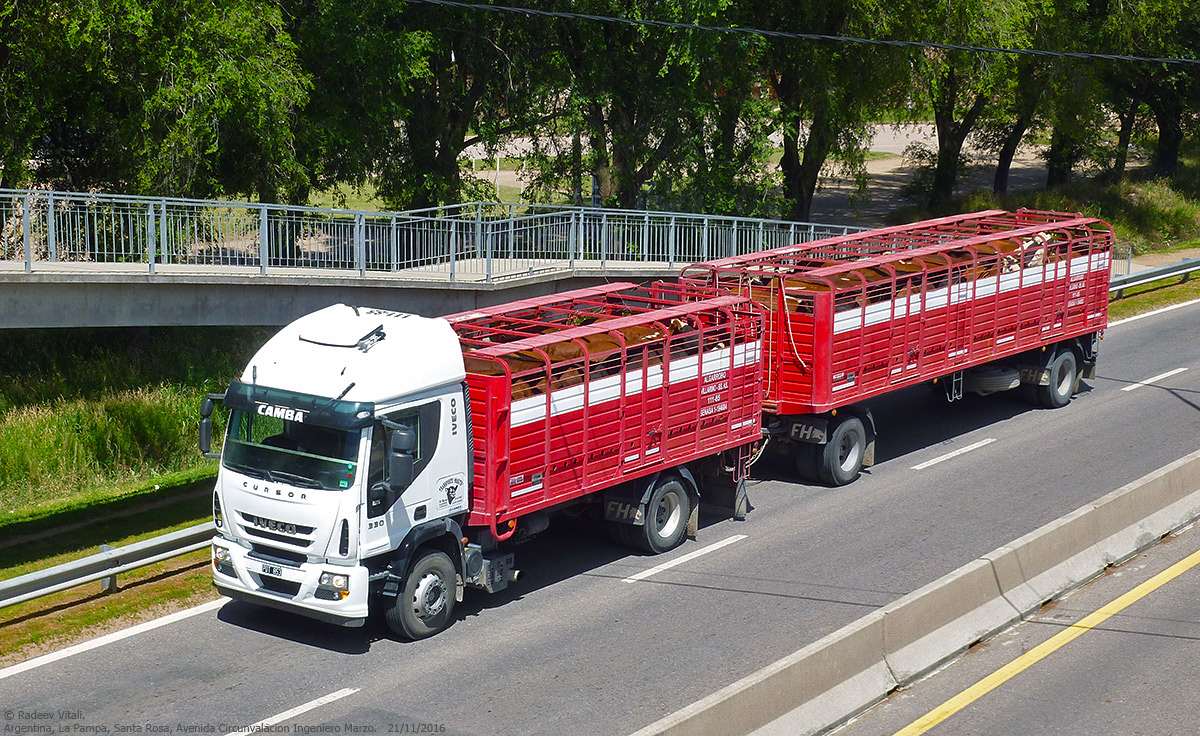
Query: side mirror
205, 429
206, 435
400, 459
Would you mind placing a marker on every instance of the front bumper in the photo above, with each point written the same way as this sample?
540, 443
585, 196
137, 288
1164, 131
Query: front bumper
290, 586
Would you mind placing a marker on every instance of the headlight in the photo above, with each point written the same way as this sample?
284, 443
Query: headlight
334, 581
220, 554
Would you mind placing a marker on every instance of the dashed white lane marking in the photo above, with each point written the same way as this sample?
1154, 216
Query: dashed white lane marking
301, 709
685, 558
956, 453
1156, 379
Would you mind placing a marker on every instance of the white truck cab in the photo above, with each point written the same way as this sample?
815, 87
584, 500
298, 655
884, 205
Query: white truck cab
348, 436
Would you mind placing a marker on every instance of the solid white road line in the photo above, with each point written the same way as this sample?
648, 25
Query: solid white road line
956, 453
110, 638
1156, 379
299, 709
685, 558
1151, 314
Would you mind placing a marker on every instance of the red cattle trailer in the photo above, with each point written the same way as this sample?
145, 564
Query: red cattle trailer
606, 389
984, 301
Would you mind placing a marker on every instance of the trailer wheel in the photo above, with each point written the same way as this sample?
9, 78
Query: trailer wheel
425, 605
842, 456
1064, 380
667, 514
807, 457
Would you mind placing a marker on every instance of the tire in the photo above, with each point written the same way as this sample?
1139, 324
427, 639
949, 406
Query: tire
988, 379
667, 514
807, 457
426, 604
1064, 380
841, 458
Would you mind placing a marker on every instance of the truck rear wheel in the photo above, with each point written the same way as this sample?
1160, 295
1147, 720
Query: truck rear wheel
1064, 380
841, 457
426, 604
666, 520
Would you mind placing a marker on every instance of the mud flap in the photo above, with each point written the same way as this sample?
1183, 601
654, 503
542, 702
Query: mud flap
725, 497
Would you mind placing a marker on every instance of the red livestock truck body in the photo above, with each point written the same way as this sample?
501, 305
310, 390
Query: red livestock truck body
855, 316
579, 392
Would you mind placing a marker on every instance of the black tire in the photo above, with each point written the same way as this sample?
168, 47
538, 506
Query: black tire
1064, 381
667, 514
841, 458
426, 604
807, 457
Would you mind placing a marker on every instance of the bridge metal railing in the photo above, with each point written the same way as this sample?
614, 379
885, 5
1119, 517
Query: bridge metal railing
478, 241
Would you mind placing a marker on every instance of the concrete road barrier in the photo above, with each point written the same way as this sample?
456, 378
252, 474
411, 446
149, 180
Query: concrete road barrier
830, 681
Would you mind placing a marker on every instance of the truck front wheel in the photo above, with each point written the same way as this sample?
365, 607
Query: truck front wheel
841, 457
426, 604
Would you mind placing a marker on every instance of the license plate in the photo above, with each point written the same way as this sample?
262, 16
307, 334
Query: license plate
275, 570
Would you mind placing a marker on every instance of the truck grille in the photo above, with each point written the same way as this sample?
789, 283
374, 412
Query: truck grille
276, 531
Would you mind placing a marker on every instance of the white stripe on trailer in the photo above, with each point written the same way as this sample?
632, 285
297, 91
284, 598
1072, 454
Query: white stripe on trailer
599, 391
873, 314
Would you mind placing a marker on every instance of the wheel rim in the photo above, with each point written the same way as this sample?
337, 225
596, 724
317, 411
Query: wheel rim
849, 452
429, 598
667, 516
1064, 378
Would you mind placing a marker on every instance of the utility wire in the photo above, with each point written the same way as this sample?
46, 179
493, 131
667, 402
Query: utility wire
802, 36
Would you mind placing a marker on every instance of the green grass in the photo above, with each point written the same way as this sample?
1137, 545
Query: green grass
86, 413
1149, 297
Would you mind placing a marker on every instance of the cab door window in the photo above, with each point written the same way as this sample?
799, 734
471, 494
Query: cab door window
424, 420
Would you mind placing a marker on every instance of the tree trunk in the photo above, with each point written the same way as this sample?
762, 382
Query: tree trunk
1059, 160
1168, 115
1008, 150
1127, 119
951, 136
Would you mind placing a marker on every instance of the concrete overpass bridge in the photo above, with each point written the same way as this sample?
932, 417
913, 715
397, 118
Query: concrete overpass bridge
96, 260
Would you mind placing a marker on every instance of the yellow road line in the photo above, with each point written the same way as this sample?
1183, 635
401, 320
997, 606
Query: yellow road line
1046, 648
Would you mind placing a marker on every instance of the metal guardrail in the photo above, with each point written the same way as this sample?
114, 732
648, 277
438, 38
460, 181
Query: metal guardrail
1183, 269
478, 241
106, 564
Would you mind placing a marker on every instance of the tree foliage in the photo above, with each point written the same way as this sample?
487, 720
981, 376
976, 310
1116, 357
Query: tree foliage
276, 99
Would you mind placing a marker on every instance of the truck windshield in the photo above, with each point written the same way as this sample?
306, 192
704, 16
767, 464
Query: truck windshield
293, 452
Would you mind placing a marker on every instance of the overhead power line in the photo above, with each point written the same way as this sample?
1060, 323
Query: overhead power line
567, 15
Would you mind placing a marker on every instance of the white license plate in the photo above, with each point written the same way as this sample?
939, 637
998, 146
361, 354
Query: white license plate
275, 570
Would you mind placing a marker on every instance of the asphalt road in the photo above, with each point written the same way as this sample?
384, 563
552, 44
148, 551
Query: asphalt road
575, 648
1135, 672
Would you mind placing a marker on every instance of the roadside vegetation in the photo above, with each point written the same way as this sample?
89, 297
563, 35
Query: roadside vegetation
86, 415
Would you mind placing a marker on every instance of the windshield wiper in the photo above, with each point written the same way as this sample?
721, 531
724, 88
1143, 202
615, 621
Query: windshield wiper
249, 470
300, 481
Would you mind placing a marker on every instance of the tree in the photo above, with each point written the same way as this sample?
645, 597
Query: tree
363, 62
633, 90
826, 91
958, 85
483, 79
